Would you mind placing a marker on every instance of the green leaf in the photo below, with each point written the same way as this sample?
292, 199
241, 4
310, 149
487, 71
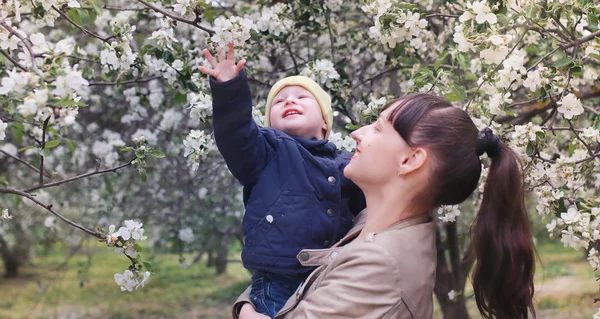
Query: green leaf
138, 248
17, 134
352, 127
405, 5
148, 266
96, 6
540, 135
44, 152
73, 14
440, 60
140, 155
595, 56
530, 149
168, 57
108, 184
71, 144
157, 154
25, 148
463, 61
180, 98
592, 20
52, 144
143, 175
577, 70
457, 93
83, 16
126, 149
502, 19
562, 62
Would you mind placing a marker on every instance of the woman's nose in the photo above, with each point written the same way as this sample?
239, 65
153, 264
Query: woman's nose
357, 135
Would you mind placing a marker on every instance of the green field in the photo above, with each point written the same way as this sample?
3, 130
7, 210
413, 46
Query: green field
50, 288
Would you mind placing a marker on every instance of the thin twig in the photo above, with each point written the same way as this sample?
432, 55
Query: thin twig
14, 62
375, 77
588, 159
331, 39
48, 207
542, 59
148, 79
495, 70
45, 127
23, 40
289, 49
23, 162
82, 29
442, 15
74, 178
194, 23
113, 8
589, 149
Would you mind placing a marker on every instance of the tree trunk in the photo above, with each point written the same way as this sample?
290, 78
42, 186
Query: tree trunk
11, 264
221, 262
455, 309
446, 280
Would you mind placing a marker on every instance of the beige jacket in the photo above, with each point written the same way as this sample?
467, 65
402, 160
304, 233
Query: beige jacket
389, 274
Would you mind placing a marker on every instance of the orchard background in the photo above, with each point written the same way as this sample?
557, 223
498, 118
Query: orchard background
105, 138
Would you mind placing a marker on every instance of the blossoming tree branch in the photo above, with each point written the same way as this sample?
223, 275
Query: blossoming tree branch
91, 89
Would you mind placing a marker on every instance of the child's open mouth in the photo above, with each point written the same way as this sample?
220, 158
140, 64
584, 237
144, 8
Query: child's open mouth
291, 112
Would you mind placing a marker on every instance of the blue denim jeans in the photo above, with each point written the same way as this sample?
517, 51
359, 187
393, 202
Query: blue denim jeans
270, 291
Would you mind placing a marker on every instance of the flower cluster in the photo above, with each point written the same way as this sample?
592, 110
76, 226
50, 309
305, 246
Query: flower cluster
322, 72
234, 29
394, 24
448, 214
198, 144
273, 20
342, 142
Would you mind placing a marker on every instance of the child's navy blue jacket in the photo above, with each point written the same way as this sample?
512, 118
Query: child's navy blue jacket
295, 193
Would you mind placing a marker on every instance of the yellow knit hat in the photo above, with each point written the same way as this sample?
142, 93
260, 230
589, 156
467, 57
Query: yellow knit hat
320, 95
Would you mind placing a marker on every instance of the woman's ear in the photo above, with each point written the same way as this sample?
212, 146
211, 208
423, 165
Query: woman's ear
411, 161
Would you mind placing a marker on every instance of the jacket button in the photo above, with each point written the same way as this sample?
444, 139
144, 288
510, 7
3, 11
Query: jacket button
331, 180
330, 212
304, 256
326, 243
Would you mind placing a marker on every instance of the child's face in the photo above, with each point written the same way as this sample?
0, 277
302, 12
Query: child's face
296, 112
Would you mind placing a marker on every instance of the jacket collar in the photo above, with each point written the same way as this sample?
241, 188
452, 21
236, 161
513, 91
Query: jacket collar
361, 219
316, 145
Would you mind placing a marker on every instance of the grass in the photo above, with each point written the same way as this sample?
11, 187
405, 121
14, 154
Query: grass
565, 288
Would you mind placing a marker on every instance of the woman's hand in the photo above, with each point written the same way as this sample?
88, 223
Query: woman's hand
224, 70
248, 312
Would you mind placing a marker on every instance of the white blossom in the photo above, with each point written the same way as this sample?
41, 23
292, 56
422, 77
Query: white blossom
570, 106
186, 235
3, 127
6, 215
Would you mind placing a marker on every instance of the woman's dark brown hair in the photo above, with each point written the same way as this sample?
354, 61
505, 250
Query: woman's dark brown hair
501, 235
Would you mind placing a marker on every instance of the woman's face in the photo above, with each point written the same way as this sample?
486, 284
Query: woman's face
379, 152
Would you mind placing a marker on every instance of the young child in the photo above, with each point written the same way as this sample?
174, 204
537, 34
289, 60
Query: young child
295, 193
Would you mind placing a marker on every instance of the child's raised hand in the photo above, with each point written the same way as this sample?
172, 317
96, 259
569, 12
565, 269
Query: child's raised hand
224, 70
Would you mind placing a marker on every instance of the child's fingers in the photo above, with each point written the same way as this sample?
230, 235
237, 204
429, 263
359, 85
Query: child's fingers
230, 52
206, 71
240, 65
209, 58
220, 55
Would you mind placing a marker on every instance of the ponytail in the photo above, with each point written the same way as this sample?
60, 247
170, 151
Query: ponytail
503, 244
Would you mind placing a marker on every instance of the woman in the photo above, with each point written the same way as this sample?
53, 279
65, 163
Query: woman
421, 153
